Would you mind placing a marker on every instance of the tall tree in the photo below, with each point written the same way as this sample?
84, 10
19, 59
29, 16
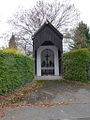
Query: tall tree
27, 22
80, 37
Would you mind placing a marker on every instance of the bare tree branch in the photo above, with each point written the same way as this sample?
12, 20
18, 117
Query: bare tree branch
27, 22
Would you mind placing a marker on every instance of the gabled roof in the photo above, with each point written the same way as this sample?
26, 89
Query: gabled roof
47, 23
47, 34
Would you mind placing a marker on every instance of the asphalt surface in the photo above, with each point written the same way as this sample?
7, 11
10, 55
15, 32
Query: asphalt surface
77, 96
68, 112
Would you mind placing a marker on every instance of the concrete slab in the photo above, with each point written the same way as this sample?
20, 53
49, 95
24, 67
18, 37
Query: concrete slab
48, 77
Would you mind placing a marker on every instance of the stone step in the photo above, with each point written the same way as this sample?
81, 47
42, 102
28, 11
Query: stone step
48, 77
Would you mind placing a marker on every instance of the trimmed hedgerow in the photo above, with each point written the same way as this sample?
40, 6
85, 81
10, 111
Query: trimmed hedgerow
15, 70
75, 65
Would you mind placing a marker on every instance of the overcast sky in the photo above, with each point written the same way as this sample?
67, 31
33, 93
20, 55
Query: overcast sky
9, 7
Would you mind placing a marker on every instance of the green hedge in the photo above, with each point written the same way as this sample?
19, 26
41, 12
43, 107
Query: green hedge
15, 70
75, 65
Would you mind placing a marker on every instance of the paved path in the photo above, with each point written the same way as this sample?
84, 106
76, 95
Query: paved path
55, 92
71, 112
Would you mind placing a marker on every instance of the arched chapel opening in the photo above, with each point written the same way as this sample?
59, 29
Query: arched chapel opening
47, 62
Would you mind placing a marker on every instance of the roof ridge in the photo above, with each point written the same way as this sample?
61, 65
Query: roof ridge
43, 25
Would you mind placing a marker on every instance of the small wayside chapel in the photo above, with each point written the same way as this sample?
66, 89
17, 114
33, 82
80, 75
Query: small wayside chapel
47, 50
